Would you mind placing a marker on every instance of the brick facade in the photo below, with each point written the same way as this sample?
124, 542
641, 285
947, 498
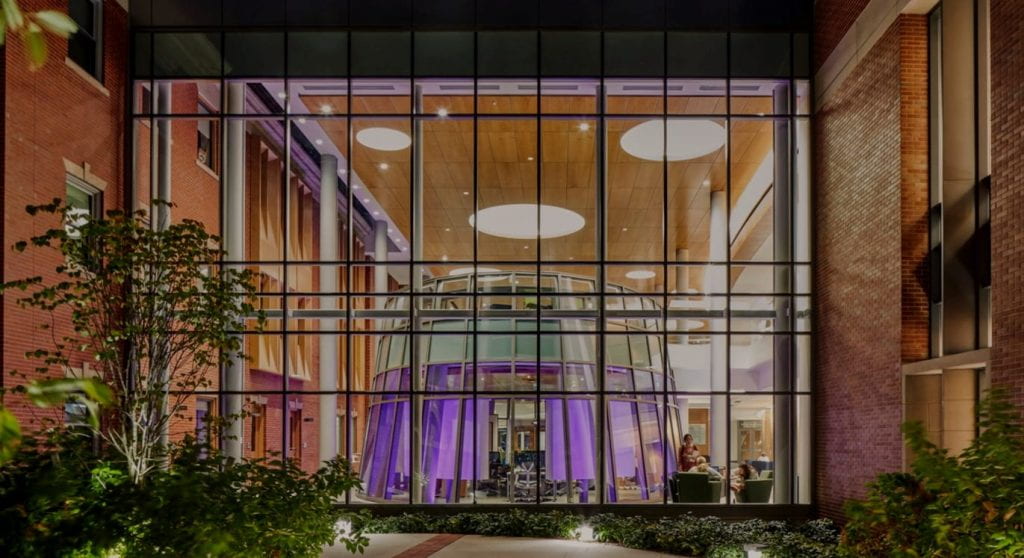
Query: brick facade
871, 199
54, 114
832, 20
1007, 71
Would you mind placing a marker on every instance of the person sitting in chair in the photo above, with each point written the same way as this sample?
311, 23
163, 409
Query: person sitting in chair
740, 476
703, 467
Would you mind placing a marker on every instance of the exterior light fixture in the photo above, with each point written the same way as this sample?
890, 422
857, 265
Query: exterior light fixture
685, 139
519, 220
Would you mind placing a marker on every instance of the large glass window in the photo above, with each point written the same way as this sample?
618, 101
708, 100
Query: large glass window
509, 268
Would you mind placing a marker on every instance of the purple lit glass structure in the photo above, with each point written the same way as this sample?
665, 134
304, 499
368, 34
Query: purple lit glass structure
517, 417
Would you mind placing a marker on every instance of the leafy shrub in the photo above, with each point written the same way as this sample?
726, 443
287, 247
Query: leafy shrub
687, 535
62, 501
713, 537
971, 505
511, 523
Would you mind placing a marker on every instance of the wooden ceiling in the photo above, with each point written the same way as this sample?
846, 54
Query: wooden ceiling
507, 167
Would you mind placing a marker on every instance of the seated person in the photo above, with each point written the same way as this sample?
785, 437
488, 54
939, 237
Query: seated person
688, 453
703, 467
740, 475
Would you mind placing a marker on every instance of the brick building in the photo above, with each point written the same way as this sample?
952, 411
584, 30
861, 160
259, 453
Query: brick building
695, 155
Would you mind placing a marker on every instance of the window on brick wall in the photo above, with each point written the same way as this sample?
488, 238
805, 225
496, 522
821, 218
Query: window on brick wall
258, 431
85, 47
207, 152
206, 410
84, 200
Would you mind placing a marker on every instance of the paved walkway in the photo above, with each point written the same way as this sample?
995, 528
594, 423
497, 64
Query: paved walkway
457, 546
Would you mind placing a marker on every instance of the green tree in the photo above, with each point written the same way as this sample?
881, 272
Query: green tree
32, 28
153, 310
948, 505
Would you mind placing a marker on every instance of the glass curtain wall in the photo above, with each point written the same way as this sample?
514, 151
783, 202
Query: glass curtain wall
503, 267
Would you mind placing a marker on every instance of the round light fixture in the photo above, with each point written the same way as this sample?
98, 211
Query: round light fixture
470, 270
640, 274
519, 220
690, 325
384, 139
686, 139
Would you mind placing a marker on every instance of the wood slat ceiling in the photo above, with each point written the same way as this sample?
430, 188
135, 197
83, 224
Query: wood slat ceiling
507, 167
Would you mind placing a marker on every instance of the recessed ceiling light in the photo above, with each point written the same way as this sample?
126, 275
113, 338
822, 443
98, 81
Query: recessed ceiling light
469, 270
691, 324
529, 158
384, 139
640, 274
282, 95
383, 166
302, 120
707, 182
446, 229
326, 109
525, 247
319, 142
376, 212
442, 112
465, 193
366, 200
404, 248
354, 186
390, 230
444, 258
343, 171
686, 139
584, 126
519, 220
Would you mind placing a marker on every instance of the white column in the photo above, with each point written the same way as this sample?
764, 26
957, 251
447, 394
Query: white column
782, 240
234, 246
328, 284
161, 215
716, 280
380, 255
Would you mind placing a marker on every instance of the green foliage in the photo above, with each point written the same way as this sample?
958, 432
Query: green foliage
152, 307
969, 505
33, 27
511, 523
688, 535
713, 537
45, 393
58, 499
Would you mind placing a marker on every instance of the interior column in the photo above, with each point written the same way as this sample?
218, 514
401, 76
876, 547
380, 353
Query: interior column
328, 307
782, 239
717, 282
234, 247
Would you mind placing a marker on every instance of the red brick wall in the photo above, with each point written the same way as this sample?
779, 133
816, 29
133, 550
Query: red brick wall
1007, 30
914, 177
50, 115
832, 19
869, 183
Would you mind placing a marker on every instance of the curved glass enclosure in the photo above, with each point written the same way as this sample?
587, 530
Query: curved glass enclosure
517, 448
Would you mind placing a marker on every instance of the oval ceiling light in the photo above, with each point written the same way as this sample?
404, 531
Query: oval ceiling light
686, 139
640, 274
383, 139
519, 220
470, 270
